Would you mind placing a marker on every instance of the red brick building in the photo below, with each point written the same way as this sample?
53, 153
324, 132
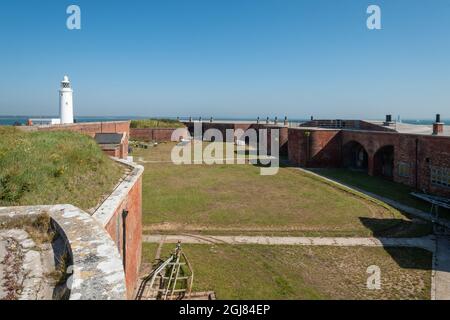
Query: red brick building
418, 156
415, 155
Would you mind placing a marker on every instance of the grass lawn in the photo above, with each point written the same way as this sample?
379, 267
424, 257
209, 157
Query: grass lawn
39, 168
379, 186
294, 272
237, 199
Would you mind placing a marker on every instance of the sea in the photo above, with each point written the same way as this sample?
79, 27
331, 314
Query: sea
22, 120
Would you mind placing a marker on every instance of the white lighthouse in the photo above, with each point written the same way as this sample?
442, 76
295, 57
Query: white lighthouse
66, 101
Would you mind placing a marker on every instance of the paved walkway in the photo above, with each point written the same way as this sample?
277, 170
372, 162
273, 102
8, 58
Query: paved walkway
441, 270
427, 243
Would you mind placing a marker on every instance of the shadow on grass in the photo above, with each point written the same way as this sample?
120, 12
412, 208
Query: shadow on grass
405, 257
397, 228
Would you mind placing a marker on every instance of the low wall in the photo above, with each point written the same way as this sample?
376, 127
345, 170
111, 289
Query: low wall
90, 128
97, 271
154, 134
116, 232
223, 126
121, 215
346, 124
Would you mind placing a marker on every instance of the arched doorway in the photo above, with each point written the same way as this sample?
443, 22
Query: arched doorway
355, 156
383, 162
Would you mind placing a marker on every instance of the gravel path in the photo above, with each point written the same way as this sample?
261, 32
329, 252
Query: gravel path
427, 243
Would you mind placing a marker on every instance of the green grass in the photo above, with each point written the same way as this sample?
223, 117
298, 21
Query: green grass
156, 123
379, 186
236, 199
38, 168
295, 272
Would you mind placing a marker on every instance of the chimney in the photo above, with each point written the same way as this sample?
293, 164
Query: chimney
276, 120
211, 120
388, 120
285, 121
267, 120
190, 119
438, 126
257, 120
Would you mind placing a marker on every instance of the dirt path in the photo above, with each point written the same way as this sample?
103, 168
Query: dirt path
427, 243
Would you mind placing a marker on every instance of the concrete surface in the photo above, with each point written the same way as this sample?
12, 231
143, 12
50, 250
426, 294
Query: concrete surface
24, 265
2, 257
442, 269
427, 243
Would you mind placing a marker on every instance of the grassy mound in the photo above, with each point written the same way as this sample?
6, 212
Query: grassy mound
156, 123
53, 168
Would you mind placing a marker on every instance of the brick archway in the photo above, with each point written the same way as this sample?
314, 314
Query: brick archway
355, 156
383, 162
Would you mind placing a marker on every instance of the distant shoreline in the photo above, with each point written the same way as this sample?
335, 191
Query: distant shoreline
11, 120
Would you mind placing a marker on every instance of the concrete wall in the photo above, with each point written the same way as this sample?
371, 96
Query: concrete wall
112, 151
124, 232
96, 266
121, 216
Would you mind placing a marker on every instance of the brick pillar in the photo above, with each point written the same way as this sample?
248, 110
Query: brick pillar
370, 168
438, 128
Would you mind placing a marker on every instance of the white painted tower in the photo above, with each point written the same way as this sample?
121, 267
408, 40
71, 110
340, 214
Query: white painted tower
66, 101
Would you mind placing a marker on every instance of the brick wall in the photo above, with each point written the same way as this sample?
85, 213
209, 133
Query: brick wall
154, 134
314, 148
91, 128
323, 148
346, 124
222, 127
133, 231
126, 231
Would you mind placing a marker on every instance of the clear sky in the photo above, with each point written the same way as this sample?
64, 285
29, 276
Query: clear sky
227, 58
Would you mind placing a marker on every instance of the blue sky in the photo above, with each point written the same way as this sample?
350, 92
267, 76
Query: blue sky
234, 58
